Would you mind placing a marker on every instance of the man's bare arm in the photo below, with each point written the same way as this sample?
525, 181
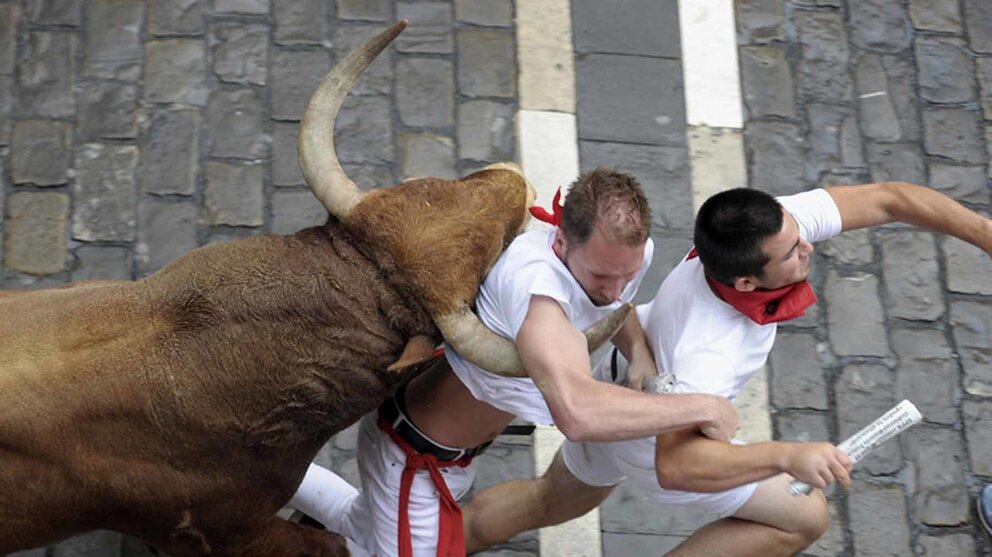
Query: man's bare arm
880, 203
556, 357
633, 344
687, 461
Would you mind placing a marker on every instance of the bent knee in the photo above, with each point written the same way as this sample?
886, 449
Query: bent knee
814, 520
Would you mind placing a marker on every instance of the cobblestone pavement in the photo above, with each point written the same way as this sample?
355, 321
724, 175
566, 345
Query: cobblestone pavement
134, 131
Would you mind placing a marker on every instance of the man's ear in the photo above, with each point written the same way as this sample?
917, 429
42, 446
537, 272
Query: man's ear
560, 244
746, 284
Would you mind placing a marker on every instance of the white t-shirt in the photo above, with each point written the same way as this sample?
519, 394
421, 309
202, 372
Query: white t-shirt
529, 267
708, 345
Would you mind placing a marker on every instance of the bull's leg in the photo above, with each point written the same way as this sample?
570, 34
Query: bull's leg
281, 538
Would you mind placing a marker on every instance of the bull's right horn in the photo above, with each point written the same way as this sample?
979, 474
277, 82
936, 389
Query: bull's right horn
318, 161
495, 354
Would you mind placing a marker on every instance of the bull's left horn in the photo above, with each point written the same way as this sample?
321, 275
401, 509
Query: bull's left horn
495, 354
318, 161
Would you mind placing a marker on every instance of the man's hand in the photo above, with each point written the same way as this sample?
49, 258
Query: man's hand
640, 370
818, 464
725, 421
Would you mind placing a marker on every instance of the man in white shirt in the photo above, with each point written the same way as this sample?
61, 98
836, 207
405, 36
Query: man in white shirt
710, 328
415, 456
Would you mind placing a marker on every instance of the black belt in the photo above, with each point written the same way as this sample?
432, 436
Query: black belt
394, 410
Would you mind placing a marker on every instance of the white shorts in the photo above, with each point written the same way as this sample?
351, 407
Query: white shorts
606, 464
373, 518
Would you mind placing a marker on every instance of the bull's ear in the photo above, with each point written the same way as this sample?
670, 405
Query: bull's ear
419, 350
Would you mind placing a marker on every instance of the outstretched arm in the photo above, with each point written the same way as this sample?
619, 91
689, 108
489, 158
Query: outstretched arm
884, 202
556, 357
687, 461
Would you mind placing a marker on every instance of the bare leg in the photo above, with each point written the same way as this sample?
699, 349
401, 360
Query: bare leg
771, 523
504, 510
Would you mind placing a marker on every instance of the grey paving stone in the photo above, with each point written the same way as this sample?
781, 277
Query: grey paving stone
53, 12
767, 82
963, 183
294, 77
822, 70
834, 140
260, 7
493, 13
234, 124
971, 323
176, 17
99, 543
977, 14
170, 149
877, 516
988, 147
760, 21
978, 434
426, 154
364, 131
102, 263
662, 171
639, 544
944, 66
293, 211
45, 75
953, 133
641, 27
940, 497
935, 15
983, 69
40, 152
107, 110
926, 374
485, 64
855, 321
977, 366
10, 14
631, 99
373, 10
485, 131
775, 155
850, 248
166, 230
425, 92
40, 552
233, 195
879, 25
503, 462
35, 233
285, 165
104, 192
240, 52
175, 70
875, 102
843, 178
630, 510
429, 30
370, 175
6, 103
896, 161
797, 379
951, 544
967, 267
901, 79
377, 79
112, 42
830, 544
911, 277
668, 252
300, 21
863, 393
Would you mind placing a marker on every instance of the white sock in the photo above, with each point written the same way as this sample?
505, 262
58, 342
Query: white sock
325, 497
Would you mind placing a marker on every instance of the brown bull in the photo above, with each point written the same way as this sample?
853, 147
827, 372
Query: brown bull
184, 408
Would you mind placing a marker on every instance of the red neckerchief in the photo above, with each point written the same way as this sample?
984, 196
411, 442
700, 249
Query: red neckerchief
450, 534
764, 306
554, 217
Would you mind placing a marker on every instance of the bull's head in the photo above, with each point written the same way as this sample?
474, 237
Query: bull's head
438, 238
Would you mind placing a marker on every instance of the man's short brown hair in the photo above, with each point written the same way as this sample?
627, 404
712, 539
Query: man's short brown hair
610, 200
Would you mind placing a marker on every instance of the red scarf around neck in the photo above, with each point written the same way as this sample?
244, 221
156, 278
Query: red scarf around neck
764, 306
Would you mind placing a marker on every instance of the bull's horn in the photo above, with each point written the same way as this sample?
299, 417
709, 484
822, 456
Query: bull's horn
495, 354
318, 161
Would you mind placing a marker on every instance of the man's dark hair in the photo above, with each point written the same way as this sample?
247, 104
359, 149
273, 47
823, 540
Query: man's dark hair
610, 200
730, 228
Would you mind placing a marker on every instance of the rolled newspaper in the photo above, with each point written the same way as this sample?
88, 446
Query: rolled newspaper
890, 424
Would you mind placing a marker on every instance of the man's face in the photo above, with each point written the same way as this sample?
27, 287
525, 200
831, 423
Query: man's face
788, 256
602, 268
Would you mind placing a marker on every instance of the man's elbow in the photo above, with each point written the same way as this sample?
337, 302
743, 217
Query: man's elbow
576, 429
671, 476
